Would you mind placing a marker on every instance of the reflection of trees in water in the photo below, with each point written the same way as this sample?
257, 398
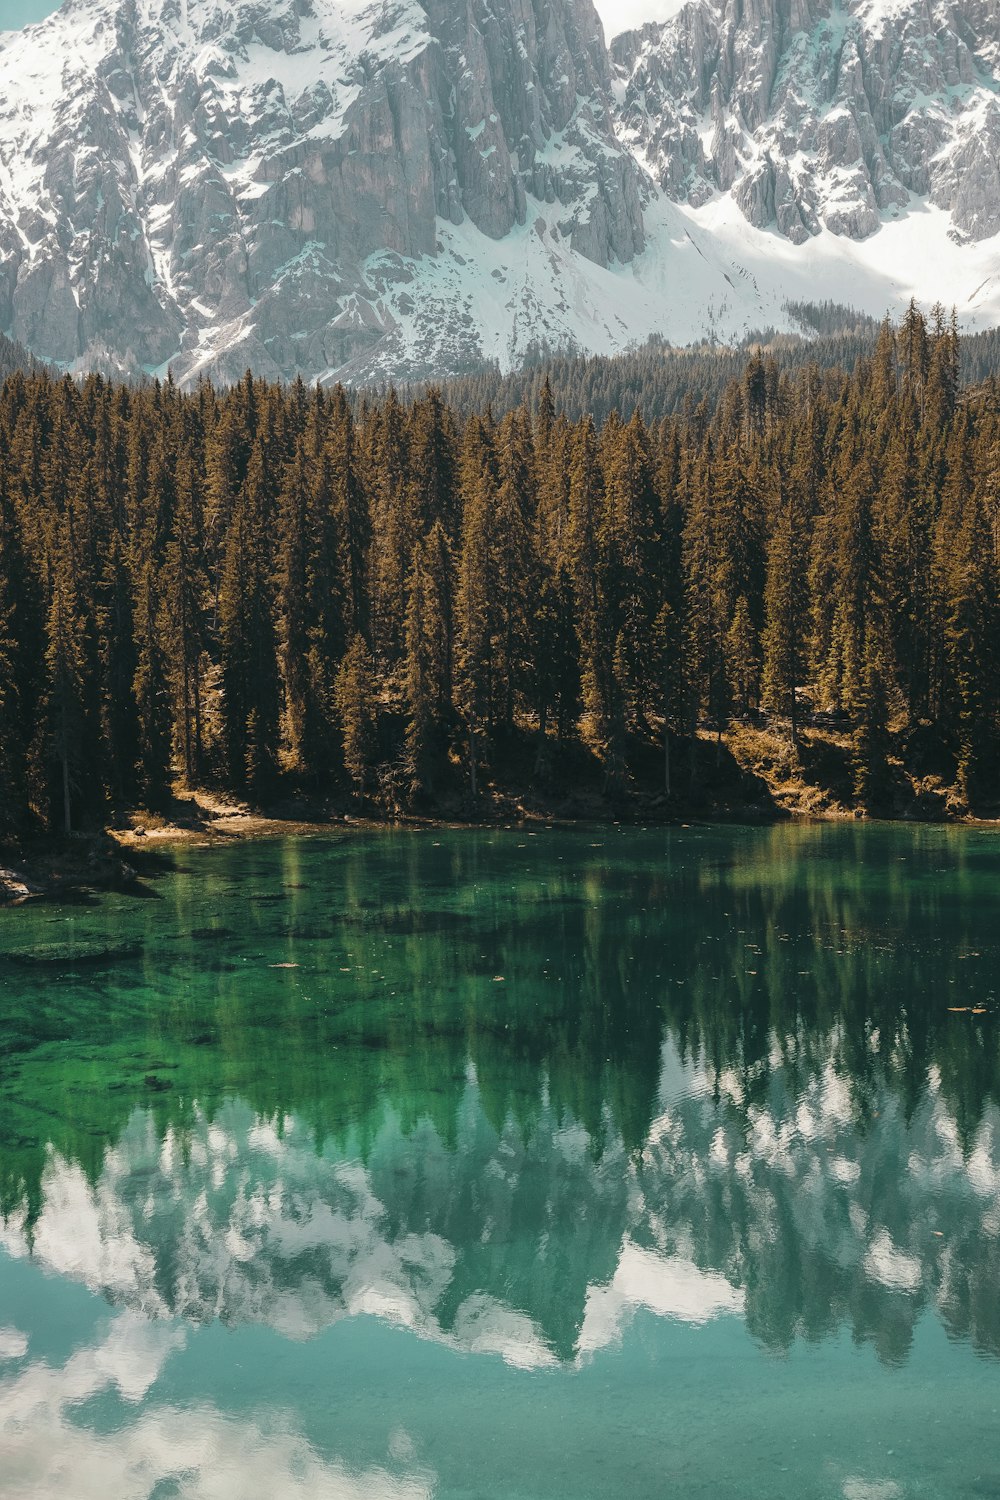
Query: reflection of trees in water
872, 950
498, 1240
824, 1225
829, 1117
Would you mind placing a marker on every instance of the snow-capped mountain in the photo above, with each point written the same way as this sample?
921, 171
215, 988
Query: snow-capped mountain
349, 189
821, 116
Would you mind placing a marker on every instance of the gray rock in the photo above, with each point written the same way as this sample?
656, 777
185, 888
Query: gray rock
809, 121
212, 183
243, 171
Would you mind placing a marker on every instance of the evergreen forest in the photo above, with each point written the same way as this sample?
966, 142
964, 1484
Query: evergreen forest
370, 597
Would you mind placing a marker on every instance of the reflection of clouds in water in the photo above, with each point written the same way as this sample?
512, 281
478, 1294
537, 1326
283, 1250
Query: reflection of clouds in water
669, 1286
539, 1249
774, 1186
281, 1237
485, 1326
889, 1266
129, 1359
192, 1454
13, 1343
87, 1232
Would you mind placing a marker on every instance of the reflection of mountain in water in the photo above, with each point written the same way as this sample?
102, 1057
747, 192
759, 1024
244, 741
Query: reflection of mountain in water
529, 1244
508, 1097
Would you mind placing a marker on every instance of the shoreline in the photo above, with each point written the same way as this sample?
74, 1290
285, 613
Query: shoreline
750, 776
126, 859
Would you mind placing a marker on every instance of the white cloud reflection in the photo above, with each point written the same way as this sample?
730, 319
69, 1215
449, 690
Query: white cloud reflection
669, 1286
533, 1249
194, 1454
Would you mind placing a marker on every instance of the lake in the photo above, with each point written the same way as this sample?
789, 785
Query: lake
574, 1164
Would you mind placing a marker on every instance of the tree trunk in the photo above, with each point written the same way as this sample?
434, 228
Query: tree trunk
543, 727
197, 724
67, 820
186, 695
795, 719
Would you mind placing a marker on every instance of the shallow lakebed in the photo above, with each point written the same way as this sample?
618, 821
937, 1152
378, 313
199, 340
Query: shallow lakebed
508, 1164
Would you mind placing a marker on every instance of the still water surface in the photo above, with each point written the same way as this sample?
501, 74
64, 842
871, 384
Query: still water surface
575, 1164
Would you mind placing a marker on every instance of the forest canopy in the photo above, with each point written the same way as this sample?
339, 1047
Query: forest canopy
273, 586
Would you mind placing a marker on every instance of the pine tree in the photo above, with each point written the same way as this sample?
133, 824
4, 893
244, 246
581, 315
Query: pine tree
870, 743
902, 542
942, 371
293, 602
970, 635
511, 565
474, 623
552, 468
631, 583
738, 563
545, 416
785, 606
149, 687
668, 652
755, 396
431, 471
66, 705
439, 616
420, 676
884, 379
325, 615
117, 652
705, 627
393, 528
14, 670
248, 641
356, 707
913, 344
228, 446
553, 669
743, 659
350, 507
184, 587
597, 642
854, 585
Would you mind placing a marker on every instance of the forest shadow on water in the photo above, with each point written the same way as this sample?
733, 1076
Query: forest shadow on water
549, 1101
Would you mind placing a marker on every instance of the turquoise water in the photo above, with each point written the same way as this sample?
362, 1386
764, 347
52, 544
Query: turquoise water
553, 1164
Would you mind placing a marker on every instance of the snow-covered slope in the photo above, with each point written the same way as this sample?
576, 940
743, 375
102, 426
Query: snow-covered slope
224, 182
354, 189
820, 114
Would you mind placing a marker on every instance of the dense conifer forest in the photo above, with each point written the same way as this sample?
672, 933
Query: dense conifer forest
271, 588
658, 379
661, 380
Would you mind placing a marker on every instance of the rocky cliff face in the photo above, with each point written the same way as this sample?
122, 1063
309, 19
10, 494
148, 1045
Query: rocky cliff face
233, 182
349, 189
817, 114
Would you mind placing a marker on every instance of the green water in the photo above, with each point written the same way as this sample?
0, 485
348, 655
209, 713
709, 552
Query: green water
568, 1164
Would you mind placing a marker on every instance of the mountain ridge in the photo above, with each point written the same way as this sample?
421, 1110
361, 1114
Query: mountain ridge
815, 114
403, 190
